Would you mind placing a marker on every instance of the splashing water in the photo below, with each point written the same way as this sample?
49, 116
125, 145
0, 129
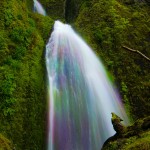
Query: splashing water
81, 97
38, 8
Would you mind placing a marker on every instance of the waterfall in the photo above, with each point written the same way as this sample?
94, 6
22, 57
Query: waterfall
38, 8
81, 97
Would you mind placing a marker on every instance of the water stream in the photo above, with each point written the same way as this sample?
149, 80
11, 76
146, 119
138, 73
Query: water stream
81, 97
39, 8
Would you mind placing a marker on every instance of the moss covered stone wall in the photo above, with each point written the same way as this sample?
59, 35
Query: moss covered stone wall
23, 36
107, 26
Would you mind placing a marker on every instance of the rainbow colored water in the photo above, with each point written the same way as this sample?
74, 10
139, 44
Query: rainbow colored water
81, 97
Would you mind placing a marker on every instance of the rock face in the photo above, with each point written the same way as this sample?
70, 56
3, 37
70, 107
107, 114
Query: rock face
54, 8
118, 126
23, 36
109, 24
136, 136
72, 8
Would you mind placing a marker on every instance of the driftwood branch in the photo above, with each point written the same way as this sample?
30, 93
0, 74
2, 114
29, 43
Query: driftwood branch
136, 51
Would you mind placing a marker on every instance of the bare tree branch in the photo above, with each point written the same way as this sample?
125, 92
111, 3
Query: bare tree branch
136, 51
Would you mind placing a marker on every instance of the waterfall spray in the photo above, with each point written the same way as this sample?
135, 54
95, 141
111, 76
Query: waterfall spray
81, 97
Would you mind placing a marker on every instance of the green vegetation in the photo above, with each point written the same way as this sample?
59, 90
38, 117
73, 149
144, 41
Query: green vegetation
105, 25
5, 144
23, 36
141, 142
54, 8
135, 136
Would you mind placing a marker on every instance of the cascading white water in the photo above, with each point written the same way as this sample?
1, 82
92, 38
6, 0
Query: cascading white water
38, 7
81, 96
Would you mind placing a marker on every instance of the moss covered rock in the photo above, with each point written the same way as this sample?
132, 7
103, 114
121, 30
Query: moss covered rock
107, 26
23, 37
134, 137
132, 143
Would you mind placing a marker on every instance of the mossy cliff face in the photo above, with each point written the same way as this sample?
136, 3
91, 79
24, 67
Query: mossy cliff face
23, 36
65, 10
107, 26
72, 8
54, 8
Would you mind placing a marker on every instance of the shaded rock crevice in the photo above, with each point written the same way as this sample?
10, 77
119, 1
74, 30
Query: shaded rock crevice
71, 9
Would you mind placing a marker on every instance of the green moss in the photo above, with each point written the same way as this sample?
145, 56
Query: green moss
72, 8
5, 144
135, 136
22, 74
43, 24
142, 142
54, 8
106, 26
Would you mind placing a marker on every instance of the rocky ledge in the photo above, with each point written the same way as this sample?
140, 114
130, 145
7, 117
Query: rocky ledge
134, 137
